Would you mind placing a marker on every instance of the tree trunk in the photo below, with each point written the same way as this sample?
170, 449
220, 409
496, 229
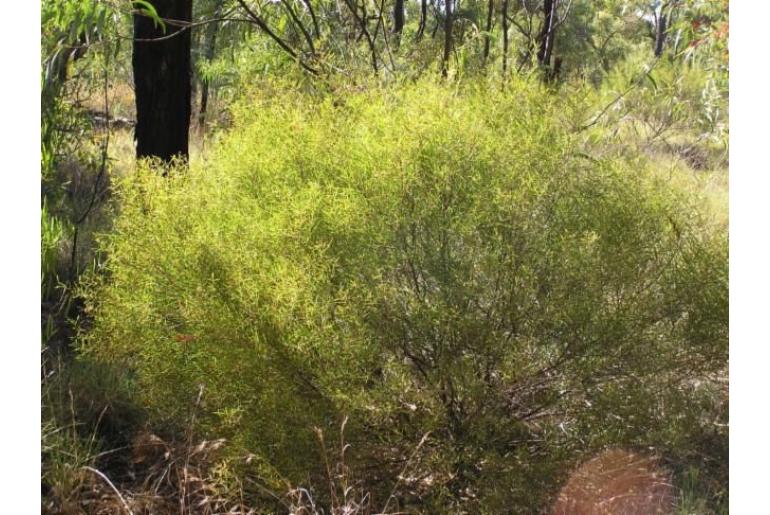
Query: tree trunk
505, 36
423, 18
547, 34
488, 36
208, 54
162, 76
661, 28
447, 38
398, 17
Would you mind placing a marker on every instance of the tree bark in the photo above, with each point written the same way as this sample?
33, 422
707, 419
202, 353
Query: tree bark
488, 36
547, 34
505, 36
398, 17
423, 18
447, 38
661, 29
162, 81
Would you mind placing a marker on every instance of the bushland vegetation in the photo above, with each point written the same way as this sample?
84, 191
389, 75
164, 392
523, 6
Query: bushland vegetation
410, 257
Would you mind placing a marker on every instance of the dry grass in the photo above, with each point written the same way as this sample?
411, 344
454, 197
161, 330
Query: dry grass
165, 478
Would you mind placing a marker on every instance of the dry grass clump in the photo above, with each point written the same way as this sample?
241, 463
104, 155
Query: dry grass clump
175, 477
166, 477
617, 482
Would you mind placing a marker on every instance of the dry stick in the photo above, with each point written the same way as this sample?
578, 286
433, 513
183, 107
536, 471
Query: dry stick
329, 478
107, 480
344, 475
401, 474
189, 445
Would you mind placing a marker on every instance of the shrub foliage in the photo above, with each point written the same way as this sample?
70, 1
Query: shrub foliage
428, 259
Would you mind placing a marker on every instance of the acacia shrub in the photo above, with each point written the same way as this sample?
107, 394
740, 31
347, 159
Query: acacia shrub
426, 259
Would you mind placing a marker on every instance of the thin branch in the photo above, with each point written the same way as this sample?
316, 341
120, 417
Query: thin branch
114, 489
365, 31
313, 17
620, 96
259, 22
183, 27
401, 475
295, 19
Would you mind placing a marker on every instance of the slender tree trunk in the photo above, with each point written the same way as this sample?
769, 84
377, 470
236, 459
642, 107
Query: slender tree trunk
505, 36
398, 17
488, 36
661, 29
209, 47
547, 34
162, 75
423, 18
313, 17
447, 38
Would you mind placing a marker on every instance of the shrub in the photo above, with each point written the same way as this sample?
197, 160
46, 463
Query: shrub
429, 259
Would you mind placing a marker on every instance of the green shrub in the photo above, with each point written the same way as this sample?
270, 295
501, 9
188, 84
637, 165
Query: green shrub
426, 259
680, 104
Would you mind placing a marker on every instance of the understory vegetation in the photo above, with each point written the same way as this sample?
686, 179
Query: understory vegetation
415, 292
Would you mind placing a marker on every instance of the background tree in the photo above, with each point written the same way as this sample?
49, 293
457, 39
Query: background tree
398, 17
162, 79
209, 46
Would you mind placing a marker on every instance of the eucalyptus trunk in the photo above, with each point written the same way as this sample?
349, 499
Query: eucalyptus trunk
547, 34
488, 36
398, 17
162, 81
447, 38
661, 30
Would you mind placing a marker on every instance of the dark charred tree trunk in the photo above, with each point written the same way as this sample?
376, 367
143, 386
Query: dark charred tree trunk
398, 17
661, 29
162, 81
447, 38
505, 36
208, 54
488, 36
546, 38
